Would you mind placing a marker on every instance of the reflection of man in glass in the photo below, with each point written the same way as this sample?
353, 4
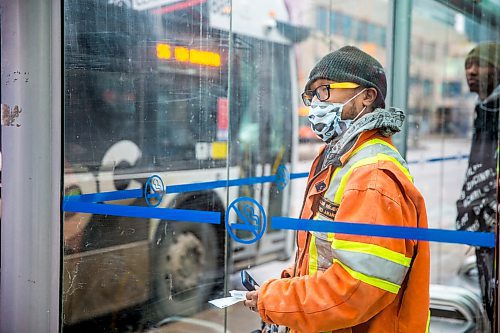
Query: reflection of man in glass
477, 203
353, 283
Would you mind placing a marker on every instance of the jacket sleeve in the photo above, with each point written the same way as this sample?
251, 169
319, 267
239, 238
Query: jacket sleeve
341, 296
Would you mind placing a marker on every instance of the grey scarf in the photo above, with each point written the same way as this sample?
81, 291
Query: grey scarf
387, 121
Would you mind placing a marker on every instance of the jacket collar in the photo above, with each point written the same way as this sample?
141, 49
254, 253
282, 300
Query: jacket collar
495, 94
387, 122
341, 159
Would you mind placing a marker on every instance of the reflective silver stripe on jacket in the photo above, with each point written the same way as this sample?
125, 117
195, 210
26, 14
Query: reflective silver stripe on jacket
372, 265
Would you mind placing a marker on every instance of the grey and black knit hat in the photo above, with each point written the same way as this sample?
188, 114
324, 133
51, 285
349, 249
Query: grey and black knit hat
488, 51
350, 64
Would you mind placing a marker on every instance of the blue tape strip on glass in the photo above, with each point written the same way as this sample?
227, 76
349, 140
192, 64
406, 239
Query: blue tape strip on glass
86, 203
485, 239
144, 212
171, 189
299, 175
106, 196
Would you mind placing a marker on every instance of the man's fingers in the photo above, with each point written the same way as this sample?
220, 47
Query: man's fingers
250, 303
251, 300
251, 295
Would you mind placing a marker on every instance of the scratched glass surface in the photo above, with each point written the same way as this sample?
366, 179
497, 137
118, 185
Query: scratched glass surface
164, 104
146, 94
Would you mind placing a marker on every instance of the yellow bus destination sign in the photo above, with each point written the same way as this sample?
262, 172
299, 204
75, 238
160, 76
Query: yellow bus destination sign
183, 54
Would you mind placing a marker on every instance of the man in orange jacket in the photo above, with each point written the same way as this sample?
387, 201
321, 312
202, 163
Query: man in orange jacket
351, 283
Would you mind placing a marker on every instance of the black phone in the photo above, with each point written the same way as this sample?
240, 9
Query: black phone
248, 281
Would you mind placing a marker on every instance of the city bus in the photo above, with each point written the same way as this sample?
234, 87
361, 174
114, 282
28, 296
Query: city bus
146, 93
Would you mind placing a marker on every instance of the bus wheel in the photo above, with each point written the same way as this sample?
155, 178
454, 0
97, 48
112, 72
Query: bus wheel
184, 268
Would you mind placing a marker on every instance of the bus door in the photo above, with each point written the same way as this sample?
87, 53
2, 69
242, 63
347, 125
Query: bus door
261, 134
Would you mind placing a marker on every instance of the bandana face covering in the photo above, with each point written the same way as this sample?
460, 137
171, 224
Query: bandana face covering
326, 119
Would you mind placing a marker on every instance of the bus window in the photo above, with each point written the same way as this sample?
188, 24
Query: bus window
183, 103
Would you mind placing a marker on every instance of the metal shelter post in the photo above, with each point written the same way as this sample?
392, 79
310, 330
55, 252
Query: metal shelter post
31, 176
399, 63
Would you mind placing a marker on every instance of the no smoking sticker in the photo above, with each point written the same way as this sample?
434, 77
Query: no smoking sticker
250, 222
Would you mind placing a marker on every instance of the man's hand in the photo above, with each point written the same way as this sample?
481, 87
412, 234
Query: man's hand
252, 299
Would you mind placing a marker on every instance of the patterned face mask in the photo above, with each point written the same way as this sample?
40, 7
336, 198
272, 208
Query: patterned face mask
326, 121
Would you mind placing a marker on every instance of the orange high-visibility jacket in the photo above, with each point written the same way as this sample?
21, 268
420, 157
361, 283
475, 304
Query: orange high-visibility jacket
350, 283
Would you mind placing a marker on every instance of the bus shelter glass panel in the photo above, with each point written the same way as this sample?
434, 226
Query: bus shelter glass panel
453, 99
146, 157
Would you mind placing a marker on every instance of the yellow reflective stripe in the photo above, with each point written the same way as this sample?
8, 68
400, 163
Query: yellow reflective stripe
363, 162
428, 322
382, 284
373, 142
344, 85
372, 249
400, 166
343, 181
313, 256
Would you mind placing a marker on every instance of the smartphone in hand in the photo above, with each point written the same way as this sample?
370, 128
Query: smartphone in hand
248, 281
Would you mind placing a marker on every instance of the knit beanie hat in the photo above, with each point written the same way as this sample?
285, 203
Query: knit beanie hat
350, 64
489, 52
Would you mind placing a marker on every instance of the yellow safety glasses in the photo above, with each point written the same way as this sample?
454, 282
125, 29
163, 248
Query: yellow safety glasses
322, 92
